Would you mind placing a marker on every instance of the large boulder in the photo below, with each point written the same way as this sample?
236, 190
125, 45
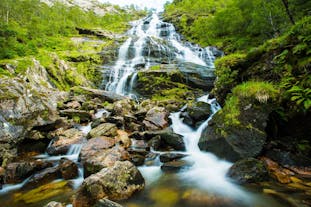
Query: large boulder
95, 145
18, 171
196, 113
63, 139
118, 182
249, 170
156, 118
239, 129
23, 105
102, 159
168, 138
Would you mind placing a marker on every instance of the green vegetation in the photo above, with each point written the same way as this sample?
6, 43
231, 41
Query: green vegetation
235, 24
27, 26
32, 30
261, 91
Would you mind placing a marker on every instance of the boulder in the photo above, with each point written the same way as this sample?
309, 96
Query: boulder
96, 145
196, 113
155, 142
25, 102
176, 165
236, 140
64, 139
45, 176
249, 170
167, 157
156, 118
68, 169
117, 182
18, 171
104, 158
168, 137
137, 160
106, 129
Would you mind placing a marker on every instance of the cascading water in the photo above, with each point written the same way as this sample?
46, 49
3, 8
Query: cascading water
207, 172
152, 41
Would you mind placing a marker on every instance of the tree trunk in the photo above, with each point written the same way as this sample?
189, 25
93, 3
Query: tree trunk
289, 14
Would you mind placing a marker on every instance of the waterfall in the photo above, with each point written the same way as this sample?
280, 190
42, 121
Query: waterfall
150, 42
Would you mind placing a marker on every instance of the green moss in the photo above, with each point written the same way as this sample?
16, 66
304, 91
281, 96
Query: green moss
43, 192
227, 70
261, 91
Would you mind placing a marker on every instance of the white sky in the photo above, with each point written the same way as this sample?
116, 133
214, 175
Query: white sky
156, 4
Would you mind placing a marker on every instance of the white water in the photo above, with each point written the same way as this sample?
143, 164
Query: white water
208, 172
151, 40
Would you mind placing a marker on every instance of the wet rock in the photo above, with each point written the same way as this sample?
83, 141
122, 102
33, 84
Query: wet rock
118, 182
277, 172
45, 176
103, 159
106, 129
139, 144
63, 140
155, 142
156, 118
196, 112
96, 145
68, 169
177, 165
18, 171
286, 158
168, 137
194, 197
54, 204
167, 157
106, 203
83, 116
43, 193
249, 170
137, 160
237, 142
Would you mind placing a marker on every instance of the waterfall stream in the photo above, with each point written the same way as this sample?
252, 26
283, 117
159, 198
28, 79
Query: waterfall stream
152, 41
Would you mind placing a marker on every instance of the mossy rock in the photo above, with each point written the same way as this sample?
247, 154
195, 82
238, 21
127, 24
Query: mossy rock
238, 130
44, 192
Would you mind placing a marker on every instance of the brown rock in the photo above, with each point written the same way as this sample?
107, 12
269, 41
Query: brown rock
156, 118
106, 129
116, 183
277, 172
63, 140
103, 159
95, 145
68, 169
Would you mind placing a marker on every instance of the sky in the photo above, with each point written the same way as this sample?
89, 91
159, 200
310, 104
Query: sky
156, 4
